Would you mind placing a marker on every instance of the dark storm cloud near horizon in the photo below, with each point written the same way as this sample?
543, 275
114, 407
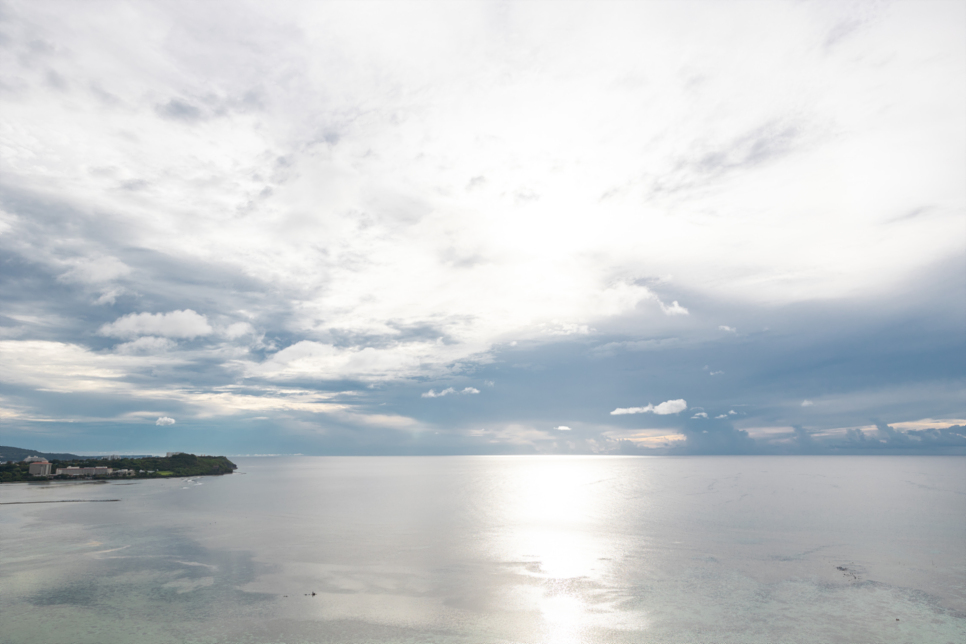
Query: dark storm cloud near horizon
287, 252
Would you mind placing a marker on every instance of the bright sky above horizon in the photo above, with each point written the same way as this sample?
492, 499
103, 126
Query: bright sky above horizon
483, 227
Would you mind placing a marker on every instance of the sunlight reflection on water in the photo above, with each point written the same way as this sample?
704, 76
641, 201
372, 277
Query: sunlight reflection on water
556, 516
487, 550
558, 510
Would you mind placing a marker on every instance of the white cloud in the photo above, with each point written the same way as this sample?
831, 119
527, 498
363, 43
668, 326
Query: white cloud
671, 407
663, 409
728, 329
807, 403
721, 416
109, 296
60, 367
238, 329
146, 345
700, 414
409, 262
176, 324
562, 428
564, 328
730, 151
929, 423
320, 360
63, 367
165, 420
450, 390
432, 393
674, 309
95, 270
732, 413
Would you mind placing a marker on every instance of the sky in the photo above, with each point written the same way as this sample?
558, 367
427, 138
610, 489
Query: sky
483, 227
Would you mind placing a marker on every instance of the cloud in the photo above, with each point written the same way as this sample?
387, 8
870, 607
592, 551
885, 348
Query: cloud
721, 416
164, 420
807, 403
238, 330
450, 390
663, 409
674, 309
178, 109
387, 361
883, 437
715, 438
244, 191
616, 348
176, 324
64, 368
700, 414
892, 436
95, 270
146, 345
109, 296
562, 428
806, 443
562, 328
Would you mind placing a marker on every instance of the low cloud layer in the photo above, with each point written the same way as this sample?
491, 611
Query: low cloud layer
663, 409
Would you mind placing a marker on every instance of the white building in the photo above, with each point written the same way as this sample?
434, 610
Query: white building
40, 468
100, 470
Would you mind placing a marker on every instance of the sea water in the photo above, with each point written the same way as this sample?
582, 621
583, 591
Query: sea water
490, 549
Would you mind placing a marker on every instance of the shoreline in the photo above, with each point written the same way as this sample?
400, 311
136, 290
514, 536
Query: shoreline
64, 501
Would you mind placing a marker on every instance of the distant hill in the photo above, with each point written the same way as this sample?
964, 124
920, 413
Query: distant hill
18, 454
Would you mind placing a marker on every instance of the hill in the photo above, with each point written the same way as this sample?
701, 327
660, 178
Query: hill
8, 453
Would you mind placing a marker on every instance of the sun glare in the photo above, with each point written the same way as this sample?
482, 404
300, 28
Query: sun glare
556, 511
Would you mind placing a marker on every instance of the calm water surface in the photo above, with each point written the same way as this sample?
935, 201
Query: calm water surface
567, 550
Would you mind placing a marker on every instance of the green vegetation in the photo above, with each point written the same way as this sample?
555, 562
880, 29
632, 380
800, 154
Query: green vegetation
13, 472
149, 467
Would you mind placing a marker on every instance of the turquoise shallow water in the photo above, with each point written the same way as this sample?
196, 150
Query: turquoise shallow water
496, 549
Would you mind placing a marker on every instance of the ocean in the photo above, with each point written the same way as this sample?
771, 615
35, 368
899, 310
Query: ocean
495, 549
